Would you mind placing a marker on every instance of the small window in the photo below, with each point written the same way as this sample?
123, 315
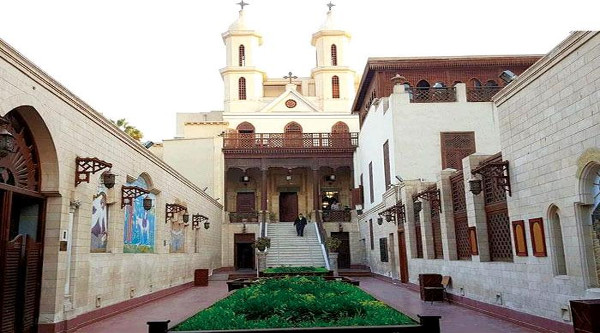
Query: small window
245, 127
371, 234
475, 83
335, 86
242, 55
383, 249
333, 55
371, 190
491, 83
242, 88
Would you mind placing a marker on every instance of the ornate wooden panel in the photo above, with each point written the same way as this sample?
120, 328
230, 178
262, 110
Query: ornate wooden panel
386, 163
419, 241
461, 224
10, 284
20, 168
519, 236
31, 268
455, 147
538, 238
436, 226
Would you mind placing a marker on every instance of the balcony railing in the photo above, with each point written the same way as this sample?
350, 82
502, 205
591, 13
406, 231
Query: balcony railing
249, 217
336, 216
481, 94
432, 95
290, 140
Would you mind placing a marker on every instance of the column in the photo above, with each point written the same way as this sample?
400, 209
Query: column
447, 216
263, 193
316, 194
476, 208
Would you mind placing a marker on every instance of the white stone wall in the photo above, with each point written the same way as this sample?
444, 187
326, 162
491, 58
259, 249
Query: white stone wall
65, 127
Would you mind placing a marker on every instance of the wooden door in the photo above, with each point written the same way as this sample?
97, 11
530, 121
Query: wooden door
288, 206
243, 252
344, 249
402, 257
245, 202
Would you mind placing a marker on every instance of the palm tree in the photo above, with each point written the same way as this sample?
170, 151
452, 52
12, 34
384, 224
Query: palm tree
132, 131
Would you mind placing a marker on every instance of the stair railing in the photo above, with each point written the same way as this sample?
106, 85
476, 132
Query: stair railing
320, 231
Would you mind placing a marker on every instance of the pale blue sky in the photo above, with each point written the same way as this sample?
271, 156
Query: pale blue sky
146, 60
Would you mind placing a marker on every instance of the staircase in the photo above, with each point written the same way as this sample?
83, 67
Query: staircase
287, 249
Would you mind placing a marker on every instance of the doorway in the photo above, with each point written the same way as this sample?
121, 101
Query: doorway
288, 206
402, 257
243, 251
245, 202
344, 249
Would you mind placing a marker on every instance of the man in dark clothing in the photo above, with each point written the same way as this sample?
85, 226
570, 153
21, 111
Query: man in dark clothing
300, 223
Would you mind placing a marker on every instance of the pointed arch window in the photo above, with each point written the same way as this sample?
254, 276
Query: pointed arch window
335, 87
475, 83
334, 61
245, 127
242, 88
242, 55
340, 135
292, 136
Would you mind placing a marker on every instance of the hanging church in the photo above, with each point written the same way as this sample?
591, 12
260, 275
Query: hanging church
483, 169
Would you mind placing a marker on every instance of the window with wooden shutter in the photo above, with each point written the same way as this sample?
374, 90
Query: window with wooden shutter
455, 147
386, 164
335, 87
333, 55
371, 234
242, 55
371, 191
461, 224
242, 88
419, 237
383, 249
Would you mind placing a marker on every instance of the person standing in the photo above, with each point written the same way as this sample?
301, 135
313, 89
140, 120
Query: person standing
300, 223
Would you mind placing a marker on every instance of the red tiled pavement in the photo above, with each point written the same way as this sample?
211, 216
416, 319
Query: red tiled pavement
177, 307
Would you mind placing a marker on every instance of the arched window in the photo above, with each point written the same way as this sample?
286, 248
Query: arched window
340, 135
335, 86
293, 127
491, 83
292, 136
558, 248
423, 84
333, 55
245, 127
242, 88
242, 55
475, 83
340, 127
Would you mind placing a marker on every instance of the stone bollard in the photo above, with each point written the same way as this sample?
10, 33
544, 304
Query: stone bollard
262, 260
333, 262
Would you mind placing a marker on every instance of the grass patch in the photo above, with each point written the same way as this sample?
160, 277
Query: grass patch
295, 302
291, 270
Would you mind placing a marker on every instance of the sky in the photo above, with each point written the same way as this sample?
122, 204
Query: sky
146, 60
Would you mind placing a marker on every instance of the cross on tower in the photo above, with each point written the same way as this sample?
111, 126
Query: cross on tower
289, 76
242, 4
330, 5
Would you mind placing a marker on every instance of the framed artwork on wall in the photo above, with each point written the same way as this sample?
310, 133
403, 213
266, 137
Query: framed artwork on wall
538, 238
519, 237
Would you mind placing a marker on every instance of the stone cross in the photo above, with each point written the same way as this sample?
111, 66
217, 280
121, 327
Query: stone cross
289, 76
330, 5
242, 4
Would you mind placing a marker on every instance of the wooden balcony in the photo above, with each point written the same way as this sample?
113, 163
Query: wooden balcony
481, 94
336, 216
289, 142
432, 95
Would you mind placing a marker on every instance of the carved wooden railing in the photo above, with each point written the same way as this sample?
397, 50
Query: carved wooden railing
336, 216
432, 95
249, 217
481, 94
289, 140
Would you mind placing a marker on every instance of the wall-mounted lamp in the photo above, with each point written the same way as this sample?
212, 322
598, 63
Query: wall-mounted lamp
172, 209
418, 206
84, 166
129, 193
380, 220
197, 221
7, 140
186, 217
330, 178
108, 179
147, 203
245, 179
475, 186
288, 178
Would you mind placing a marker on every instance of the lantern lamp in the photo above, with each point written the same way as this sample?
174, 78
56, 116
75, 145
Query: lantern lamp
147, 203
206, 224
475, 186
7, 142
108, 179
418, 206
186, 217
380, 220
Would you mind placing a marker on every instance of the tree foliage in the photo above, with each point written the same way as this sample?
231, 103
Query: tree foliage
131, 130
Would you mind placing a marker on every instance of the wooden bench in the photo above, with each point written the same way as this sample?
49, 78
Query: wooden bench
433, 287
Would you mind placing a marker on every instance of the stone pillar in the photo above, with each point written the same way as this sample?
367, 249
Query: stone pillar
333, 262
461, 92
406, 194
426, 226
476, 207
263, 192
447, 216
262, 260
316, 194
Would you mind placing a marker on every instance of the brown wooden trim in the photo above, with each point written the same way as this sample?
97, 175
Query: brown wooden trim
21, 191
539, 240
88, 318
473, 241
520, 250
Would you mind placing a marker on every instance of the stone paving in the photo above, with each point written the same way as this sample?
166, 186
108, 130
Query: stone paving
177, 307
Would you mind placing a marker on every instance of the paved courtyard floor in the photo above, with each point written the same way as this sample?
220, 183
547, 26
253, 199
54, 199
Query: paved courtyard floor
179, 306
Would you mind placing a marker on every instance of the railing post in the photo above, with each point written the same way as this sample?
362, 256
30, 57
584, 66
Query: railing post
158, 326
430, 324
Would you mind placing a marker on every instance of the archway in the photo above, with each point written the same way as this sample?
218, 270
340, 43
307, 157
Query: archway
589, 216
556, 242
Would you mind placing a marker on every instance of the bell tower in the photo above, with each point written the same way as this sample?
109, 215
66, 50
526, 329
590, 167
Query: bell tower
242, 81
334, 80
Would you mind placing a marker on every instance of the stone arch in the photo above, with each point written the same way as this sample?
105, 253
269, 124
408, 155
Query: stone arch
423, 84
245, 127
475, 83
557, 247
588, 214
293, 127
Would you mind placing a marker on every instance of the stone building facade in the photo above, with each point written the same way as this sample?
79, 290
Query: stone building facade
87, 254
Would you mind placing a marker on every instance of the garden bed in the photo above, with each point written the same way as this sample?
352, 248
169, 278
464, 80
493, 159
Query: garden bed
296, 271
296, 302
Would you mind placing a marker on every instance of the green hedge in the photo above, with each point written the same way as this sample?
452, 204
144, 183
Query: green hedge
295, 302
290, 269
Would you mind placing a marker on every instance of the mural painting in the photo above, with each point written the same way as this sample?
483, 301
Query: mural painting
177, 238
139, 228
99, 235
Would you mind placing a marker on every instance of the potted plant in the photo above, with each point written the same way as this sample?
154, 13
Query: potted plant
262, 243
333, 244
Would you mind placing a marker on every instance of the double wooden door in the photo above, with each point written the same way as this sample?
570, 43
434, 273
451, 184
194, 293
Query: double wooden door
21, 247
344, 249
288, 206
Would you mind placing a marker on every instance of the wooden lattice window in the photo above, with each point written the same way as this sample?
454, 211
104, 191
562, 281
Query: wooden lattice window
419, 241
340, 135
242, 55
242, 88
333, 55
371, 190
335, 86
386, 164
383, 249
436, 226
292, 136
371, 234
20, 168
461, 225
455, 147
245, 127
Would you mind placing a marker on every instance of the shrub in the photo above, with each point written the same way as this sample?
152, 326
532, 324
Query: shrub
289, 269
295, 302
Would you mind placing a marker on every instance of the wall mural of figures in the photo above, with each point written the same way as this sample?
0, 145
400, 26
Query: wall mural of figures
139, 228
99, 222
177, 238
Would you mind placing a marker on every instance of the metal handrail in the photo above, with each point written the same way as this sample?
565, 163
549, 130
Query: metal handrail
323, 248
